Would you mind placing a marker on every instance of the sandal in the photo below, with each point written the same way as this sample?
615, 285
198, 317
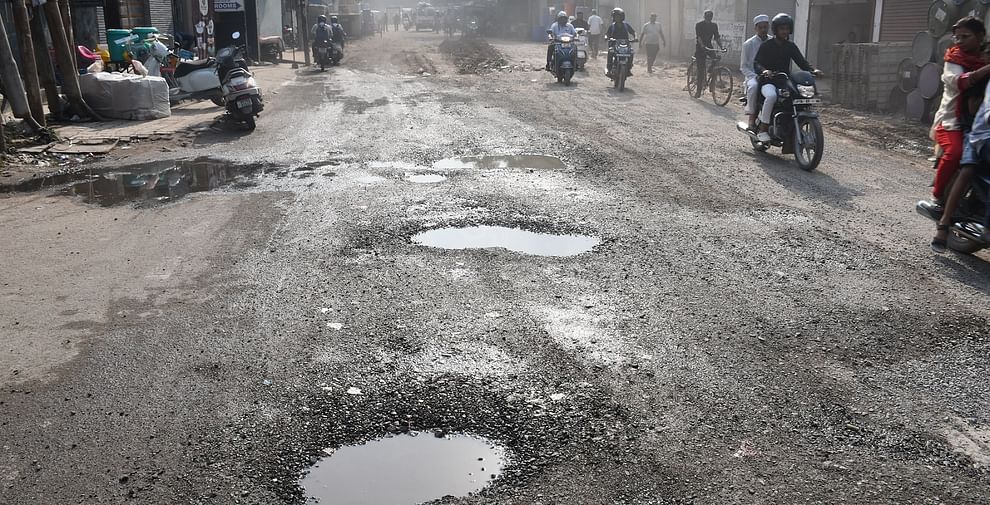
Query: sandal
939, 244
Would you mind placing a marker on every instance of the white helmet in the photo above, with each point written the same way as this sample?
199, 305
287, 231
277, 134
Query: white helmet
561, 14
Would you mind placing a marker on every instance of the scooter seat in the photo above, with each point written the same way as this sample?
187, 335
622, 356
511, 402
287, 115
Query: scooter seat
185, 68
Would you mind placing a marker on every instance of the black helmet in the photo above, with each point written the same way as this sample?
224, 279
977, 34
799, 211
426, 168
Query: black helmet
321, 19
779, 20
621, 13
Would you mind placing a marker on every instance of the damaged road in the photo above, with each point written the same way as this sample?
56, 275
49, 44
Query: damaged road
665, 316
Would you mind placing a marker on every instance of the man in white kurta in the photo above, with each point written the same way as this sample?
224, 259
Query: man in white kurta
761, 24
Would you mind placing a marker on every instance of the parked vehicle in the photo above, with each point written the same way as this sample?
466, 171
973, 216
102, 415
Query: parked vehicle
289, 36
970, 230
240, 91
622, 60
582, 48
272, 48
187, 79
563, 62
796, 127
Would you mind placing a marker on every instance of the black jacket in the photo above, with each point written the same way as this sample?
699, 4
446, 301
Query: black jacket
777, 57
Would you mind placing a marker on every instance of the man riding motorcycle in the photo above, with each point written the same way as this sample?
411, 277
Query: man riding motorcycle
761, 24
775, 56
338, 31
322, 33
559, 28
618, 30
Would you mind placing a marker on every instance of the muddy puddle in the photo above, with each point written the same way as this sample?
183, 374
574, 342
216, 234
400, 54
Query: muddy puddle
512, 239
531, 161
425, 178
157, 184
404, 469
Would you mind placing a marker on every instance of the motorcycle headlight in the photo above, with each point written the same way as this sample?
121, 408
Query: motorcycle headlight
565, 39
806, 91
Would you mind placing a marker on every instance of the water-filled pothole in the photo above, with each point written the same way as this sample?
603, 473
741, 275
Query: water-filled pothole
513, 239
425, 178
157, 184
403, 470
509, 161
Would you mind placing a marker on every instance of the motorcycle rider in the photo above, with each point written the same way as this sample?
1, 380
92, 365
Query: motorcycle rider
321, 32
559, 28
618, 30
761, 24
775, 56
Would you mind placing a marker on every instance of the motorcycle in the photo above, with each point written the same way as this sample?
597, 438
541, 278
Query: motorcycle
336, 53
795, 127
240, 91
622, 54
564, 57
582, 48
970, 229
324, 48
187, 79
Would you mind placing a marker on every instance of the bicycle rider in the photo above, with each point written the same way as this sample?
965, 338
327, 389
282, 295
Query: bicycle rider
706, 33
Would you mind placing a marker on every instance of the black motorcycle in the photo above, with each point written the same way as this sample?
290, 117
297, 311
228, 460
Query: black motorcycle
324, 53
795, 126
622, 53
969, 232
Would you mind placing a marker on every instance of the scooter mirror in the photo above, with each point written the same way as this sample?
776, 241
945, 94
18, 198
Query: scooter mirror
235, 35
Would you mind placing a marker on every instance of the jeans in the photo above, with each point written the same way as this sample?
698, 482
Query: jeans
701, 59
752, 89
652, 50
770, 99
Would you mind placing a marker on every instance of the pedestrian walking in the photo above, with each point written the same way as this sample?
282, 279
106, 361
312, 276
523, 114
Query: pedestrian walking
650, 38
595, 25
396, 20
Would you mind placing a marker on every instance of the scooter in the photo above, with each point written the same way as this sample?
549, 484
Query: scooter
795, 126
241, 93
187, 79
582, 48
564, 56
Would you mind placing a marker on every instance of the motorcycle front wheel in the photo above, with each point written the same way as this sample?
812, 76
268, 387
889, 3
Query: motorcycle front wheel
568, 73
620, 77
809, 143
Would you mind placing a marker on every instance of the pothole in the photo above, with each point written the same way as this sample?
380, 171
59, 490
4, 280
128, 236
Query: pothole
404, 469
370, 179
425, 178
512, 239
158, 184
503, 162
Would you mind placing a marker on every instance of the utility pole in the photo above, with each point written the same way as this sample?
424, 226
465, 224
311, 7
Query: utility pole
46, 73
63, 55
22, 24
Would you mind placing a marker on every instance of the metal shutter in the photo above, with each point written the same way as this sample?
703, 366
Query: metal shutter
902, 19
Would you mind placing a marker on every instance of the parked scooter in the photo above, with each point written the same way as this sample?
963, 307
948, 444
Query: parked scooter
795, 126
622, 54
564, 59
240, 91
190, 79
582, 48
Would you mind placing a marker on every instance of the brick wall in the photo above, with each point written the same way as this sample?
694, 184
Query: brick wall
864, 74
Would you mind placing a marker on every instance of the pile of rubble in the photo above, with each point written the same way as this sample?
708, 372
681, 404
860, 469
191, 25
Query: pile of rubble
473, 55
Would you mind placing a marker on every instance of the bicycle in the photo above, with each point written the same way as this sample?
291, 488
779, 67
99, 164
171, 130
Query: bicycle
718, 78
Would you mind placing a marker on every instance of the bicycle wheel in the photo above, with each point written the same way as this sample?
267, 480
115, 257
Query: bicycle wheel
721, 86
692, 78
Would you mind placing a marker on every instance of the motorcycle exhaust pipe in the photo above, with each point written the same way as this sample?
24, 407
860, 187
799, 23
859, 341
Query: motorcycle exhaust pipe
972, 231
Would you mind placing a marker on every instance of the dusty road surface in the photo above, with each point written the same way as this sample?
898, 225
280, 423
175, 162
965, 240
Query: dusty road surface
715, 326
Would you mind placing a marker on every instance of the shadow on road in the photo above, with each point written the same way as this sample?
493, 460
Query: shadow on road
816, 185
972, 271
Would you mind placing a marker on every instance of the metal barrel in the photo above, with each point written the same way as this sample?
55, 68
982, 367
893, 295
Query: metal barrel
941, 16
914, 106
896, 101
942, 46
922, 48
929, 80
907, 75
974, 8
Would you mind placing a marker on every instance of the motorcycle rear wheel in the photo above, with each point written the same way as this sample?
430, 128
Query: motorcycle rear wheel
217, 100
809, 143
568, 73
962, 244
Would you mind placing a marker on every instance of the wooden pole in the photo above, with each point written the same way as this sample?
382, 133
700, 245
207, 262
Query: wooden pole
13, 87
46, 73
63, 8
63, 55
29, 64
